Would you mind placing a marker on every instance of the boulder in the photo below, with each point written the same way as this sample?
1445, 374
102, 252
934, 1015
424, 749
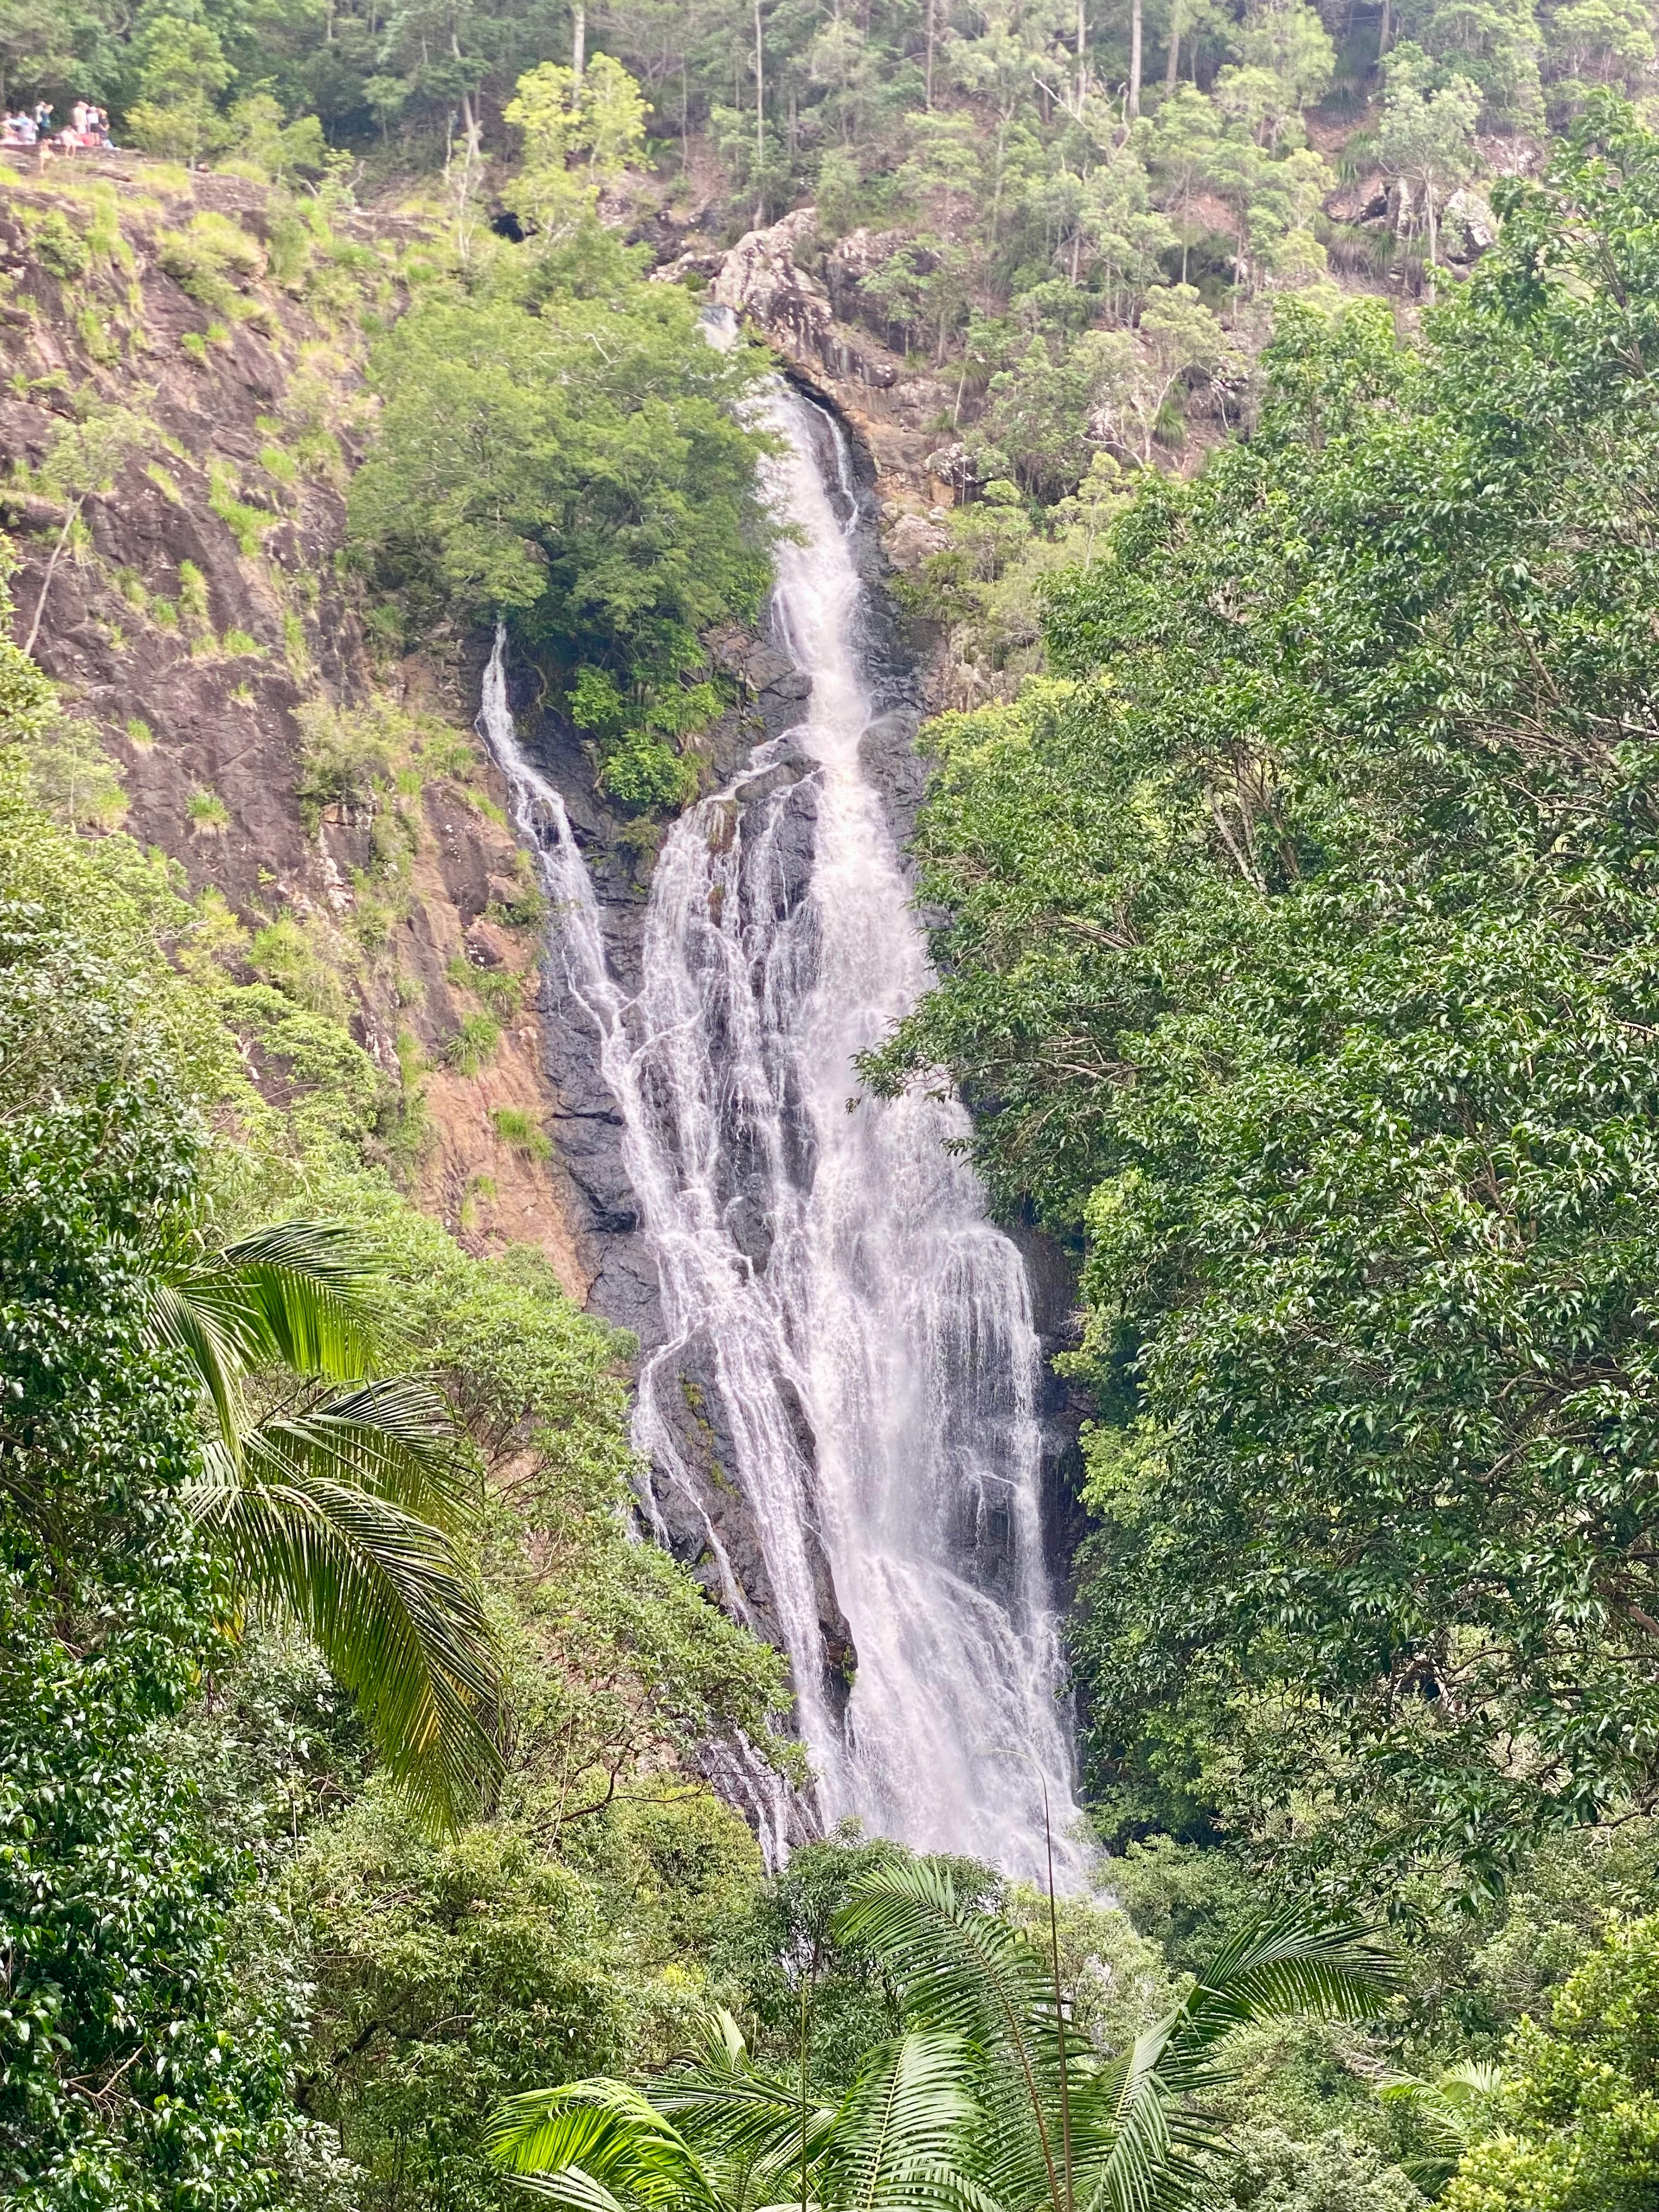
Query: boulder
1467, 212
761, 279
913, 540
953, 464
1365, 200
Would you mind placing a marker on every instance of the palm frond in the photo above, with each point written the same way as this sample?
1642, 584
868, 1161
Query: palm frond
1453, 2105
388, 1602
718, 2041
752, 2118
306, 1284
1128, 2132
570, 2186
208, 1330
900, 2130
1303, 1958
596, 2144
964, 1972
395, 1439
293, 1295
960, 1971
346, 1509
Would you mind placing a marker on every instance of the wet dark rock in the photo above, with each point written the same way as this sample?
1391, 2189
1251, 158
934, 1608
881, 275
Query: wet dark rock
715, 1512
769, 794
778, 775
769, 670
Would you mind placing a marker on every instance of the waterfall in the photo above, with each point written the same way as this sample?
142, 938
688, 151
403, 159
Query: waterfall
825, 1263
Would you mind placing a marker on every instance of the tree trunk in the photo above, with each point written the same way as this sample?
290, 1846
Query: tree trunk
1082, 55
1132, 105
933, 22
759, 121
1174, 62
70, 520
578, 39
1387, 31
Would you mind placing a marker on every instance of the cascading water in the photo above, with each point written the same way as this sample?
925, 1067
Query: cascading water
868, 1331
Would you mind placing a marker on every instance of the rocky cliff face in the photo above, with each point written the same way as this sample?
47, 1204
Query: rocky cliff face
183, 406
810, 305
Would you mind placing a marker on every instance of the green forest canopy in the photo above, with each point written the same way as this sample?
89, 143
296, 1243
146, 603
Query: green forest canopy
1298, 953
161, 1752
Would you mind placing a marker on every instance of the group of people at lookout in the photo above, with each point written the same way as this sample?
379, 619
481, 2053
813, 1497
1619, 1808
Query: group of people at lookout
86, 131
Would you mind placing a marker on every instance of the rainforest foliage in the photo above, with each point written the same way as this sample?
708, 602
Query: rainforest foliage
559, 449
1036, 181
169, 2027
1292, 905
1298, 957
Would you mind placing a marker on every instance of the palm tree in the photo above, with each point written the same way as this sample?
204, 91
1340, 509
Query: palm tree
717, 2134
1056, 2126
344, 1499
1458, 2108
983, 2104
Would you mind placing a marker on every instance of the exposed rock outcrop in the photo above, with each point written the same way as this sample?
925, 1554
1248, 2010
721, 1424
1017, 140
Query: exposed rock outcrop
913, 539
195, 620
762, 278
895, 410
1469, 218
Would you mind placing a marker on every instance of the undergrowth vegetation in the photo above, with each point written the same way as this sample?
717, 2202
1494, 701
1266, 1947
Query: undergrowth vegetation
1294, 949
1290, 870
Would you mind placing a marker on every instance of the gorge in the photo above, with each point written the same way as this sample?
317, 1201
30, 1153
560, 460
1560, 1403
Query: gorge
781, 1119
836, 1323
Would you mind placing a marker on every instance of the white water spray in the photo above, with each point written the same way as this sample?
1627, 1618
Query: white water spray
869, 1331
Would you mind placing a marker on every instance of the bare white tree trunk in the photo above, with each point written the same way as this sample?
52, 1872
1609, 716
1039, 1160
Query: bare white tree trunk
70, 521
578, 39
1132, 105
760, 120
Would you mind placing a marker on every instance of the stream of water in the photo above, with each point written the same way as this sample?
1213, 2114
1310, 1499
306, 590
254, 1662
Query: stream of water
869, 1330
